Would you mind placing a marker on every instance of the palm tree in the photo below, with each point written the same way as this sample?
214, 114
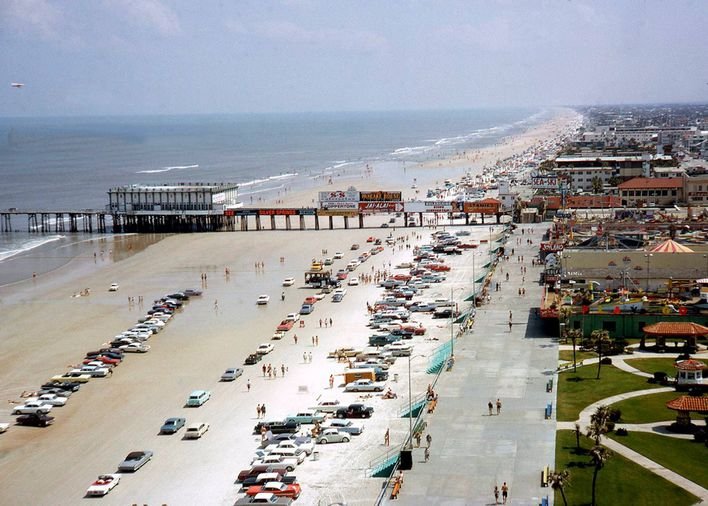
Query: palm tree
577, 435
600, 339
575, 334
598, 424
599, 455
559, 480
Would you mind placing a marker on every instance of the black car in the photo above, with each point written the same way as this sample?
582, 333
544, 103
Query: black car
56, 391
177, 296
277, 427
115, 353
192, 292
253, 358
36, 420
263, 478
68, 386
443, 313
355, 411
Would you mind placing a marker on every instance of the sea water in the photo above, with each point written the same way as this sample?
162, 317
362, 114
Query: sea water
70, 163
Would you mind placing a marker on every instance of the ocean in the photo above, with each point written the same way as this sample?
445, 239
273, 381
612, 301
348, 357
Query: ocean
70, 163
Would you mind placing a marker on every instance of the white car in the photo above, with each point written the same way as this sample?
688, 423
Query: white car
103, 484
399, 349
288, 281
52, 399
365, 385
263, 300
93, 371
4, 426
196, 430
353, 281
293, 317
265, 348
31, 407
113, 287
290, 462
135, 348
155, 321
338, 255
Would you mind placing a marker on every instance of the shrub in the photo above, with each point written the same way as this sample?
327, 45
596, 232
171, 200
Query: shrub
615, 415
621, 431
660, 377
701, 436
606, 361
610, 426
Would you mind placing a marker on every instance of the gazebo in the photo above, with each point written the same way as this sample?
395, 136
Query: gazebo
677, 330
690, 373
684, 405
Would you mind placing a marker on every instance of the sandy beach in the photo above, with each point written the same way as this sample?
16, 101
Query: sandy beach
45, 329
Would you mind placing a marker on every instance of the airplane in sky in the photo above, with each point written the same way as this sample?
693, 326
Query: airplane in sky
17, 85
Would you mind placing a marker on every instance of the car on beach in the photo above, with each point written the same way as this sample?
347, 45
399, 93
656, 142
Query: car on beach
192, 292
306, 309
342, 274
67, 386
113, 287
32, 407
262, 478
264, 498
196, 430
262, 458
307, 417
52, 399
135, 460
328, 261
93, 371
365, 385
338, 255
277, 488
278, 427
353, 281
253, 359
102, 485
347, 426
231, 374
278, 335
355, 246
172, 425
355, 411
103, 359
333, 436
56, 391
71, 377
288, 281
328, 406
285, 325
135, 347
263, 300
197, 398
293, 317
265, 348
35, 420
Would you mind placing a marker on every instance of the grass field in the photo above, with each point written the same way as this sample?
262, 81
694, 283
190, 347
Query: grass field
652, 365
578, 390
579, 355
620, 481
683, 456
647, 408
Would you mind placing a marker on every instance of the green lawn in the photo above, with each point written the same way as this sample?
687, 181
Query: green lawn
578, 390
579, 355
647, 408
683, 456
652, 365
620, 481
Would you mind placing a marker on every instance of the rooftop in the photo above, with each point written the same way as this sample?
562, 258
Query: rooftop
688, 403
643, 183
676, 329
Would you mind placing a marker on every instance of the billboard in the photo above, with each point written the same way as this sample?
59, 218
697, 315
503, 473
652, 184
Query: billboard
339, 196
487, 206
352, 206
241, 212
430, 206
380, 196
380, 207
547, 182
338, 212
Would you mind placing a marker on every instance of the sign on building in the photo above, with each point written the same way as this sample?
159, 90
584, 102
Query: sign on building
339, 196
380, 207
544, 182
380, 196
430, 206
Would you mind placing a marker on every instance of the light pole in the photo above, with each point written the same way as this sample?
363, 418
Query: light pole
490, 246
648, 257
410, 403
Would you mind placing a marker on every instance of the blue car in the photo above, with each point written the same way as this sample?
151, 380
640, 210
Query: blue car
172, 425
307, 308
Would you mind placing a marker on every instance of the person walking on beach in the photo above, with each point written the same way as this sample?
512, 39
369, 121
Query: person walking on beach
490, 406
426, 453
505, 492
331, 381
248, 385
417, 436
263, 411
258, 411
496, 494
320, 322
510, 326
283, 369
498, 406
295, 338
387, 437
330, 322
429, 439
264, 368
309, 357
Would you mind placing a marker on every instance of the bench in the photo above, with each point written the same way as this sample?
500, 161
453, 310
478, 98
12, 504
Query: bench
544, 476
548, 411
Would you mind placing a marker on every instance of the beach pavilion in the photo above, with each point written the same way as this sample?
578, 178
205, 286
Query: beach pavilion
684, 405
689, 331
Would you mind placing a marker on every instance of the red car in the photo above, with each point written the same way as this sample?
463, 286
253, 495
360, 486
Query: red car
285, 325
104, 359
418, 330
310, 300
342, 275
370, 239
438, 267
466, 246
277, 488
402, 277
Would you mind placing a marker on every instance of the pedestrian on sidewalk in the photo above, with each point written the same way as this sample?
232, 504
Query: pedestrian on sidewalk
490, 406
331, 381
498, 406
426, 454
505, 492
496, 494
429, 439
417, 436
258, 411
387, 437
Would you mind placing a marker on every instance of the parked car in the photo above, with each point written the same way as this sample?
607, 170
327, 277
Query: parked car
443, 313
285, 325
327, 406
263, 300
277, 427
52, 399
135, 348
298, 444
71, 378
307, 417
338, 255
306, 309
262, 459
172, 425
113, 287
68, 386
103, 484
288, 281
192, 292
32, 407
254, 471
252, 359
265, 348
355, 246
264, 498
277, 488
35, 419
333, 436
198, 397
293, 317
344, 425
364, 385
353, 281
262, 478
355, 411
135, 460
231, 374
196, 430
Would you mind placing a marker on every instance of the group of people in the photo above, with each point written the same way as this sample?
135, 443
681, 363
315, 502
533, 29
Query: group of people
504, 493
490, 406
272, 372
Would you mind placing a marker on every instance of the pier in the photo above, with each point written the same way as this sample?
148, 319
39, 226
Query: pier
43, 222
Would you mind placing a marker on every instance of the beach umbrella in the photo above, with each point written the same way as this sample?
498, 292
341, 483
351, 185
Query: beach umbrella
670, 246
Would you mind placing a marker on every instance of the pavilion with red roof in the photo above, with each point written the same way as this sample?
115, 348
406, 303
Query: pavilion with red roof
689, 331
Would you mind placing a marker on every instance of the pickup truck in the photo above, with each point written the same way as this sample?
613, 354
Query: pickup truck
306, 417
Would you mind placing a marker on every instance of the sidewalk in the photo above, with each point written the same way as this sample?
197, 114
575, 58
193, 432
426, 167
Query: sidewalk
471, 451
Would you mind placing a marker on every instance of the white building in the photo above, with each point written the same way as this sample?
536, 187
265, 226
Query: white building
180, 198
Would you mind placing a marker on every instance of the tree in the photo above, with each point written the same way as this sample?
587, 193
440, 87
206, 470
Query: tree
574, 335
600, 339
599, 424
597, 185
559, 480
577, 435
599, 455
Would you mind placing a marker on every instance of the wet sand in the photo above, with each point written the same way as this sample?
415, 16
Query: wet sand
45, 329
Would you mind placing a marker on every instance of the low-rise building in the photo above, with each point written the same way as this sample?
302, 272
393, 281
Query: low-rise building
645, 191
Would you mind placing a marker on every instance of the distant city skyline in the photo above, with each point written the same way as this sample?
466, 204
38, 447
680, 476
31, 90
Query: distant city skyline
108, 57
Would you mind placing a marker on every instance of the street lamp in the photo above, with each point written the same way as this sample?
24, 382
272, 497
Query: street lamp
648, 257
410, 403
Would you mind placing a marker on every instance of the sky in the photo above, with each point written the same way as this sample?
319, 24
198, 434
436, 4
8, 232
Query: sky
109, 57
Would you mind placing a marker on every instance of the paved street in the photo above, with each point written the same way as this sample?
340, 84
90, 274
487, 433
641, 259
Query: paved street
471, 451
